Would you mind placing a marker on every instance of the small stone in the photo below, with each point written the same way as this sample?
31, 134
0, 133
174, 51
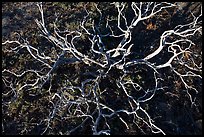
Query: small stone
199, 124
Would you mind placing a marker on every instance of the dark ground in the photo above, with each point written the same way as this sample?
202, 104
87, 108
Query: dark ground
171, 109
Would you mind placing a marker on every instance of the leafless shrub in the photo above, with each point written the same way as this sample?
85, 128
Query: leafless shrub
103, 73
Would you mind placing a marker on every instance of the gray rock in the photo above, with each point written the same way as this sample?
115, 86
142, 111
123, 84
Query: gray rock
5, 21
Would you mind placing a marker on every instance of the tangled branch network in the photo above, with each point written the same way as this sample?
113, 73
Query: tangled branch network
95, 74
